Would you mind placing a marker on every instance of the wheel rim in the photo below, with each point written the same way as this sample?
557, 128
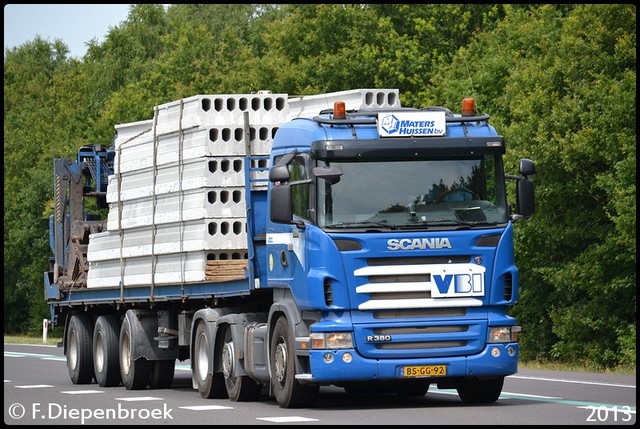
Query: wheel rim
227, 359
125, 353
202, 358
73, 350
281, 361
98, 356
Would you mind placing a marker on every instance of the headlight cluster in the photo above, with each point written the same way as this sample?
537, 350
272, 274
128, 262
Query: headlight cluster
331, 340
504, 334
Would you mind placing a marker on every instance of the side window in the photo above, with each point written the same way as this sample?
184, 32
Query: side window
300, 185
299, 170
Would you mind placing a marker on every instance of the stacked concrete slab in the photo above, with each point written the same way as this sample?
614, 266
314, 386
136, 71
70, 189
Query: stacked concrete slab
177, 198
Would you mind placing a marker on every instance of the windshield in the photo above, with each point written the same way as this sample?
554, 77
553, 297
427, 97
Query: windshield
414, 194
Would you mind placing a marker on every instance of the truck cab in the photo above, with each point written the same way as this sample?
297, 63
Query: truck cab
391, 232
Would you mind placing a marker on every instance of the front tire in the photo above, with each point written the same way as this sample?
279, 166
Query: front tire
288, 391
105, 351
79, 353
473, 391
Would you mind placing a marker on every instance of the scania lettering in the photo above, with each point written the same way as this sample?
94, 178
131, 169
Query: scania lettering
418, 243
280, 244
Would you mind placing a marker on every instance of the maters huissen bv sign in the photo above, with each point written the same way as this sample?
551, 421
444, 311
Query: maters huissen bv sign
408, 124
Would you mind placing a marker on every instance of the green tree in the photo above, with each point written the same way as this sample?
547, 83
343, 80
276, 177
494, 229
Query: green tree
559, 83
30, 130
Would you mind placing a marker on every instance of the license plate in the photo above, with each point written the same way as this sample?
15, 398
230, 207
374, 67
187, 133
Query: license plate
424, 371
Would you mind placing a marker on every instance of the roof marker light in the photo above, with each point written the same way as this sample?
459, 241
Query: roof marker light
339, 110
468, 106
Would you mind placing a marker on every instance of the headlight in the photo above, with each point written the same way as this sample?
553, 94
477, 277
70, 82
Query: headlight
504, 334
331, 340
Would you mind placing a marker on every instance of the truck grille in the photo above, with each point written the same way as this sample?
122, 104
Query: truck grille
421, 339
404, 283
422, 331
413, 323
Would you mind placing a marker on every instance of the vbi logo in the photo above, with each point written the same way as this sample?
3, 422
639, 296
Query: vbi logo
465, 281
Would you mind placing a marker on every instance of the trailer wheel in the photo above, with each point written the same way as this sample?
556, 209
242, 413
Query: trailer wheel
105, 351
79, 354
473, 391
210, 384
239, 388
161, 373
134, 373
288, 391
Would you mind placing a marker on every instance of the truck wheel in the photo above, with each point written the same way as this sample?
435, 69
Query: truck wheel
105, 351
134, 373
210, 384
473, 391
288, 391
161, 373
79, 354
239, 388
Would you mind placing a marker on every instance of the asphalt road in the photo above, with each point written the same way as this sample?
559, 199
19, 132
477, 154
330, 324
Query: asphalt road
37, 390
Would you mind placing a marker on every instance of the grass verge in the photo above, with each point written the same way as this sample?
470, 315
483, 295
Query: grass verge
561, 366
16, 339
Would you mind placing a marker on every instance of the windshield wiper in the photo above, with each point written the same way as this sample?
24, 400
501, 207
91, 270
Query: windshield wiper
417, 225
462, 223
453, 222
361, 224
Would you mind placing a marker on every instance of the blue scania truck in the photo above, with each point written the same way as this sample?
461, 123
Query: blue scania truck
373, 250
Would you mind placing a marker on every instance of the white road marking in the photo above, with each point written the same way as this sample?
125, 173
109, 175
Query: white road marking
34, 386
19, 354
206, 407
560, 380
140, 398
616, 409
288, 419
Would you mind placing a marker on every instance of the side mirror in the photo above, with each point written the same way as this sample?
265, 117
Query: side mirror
525, 191
279, 173
281, 209
525, 197
331, 174
527, 167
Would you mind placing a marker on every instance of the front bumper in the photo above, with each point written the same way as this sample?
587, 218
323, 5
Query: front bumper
483, 364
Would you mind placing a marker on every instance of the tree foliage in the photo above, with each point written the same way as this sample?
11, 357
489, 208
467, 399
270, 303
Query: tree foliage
560, 84
558, 80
